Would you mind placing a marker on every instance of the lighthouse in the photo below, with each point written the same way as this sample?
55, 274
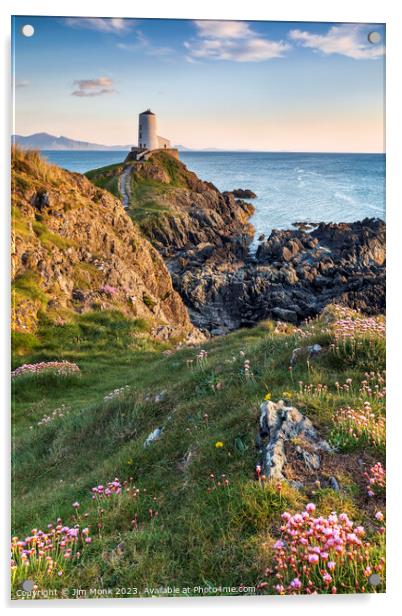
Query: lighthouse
148, 139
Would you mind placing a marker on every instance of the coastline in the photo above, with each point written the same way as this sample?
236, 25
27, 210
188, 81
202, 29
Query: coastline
206, 239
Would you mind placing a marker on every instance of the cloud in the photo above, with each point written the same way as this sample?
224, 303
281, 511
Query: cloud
113, 24
232, 40
97, 93
144, 45
347, 40
93, 87
223, 29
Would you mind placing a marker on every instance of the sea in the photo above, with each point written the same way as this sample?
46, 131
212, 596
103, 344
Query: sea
290, 187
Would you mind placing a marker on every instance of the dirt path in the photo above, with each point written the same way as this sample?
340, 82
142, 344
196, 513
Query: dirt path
124, 188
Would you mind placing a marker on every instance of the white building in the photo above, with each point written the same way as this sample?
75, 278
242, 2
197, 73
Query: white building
147, 136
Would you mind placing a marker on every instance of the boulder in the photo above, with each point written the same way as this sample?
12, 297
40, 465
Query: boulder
152, 437
284, 315
244, 193
282, 426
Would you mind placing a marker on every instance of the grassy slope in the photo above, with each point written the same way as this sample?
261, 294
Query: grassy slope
145, 206
199, 537
106, 177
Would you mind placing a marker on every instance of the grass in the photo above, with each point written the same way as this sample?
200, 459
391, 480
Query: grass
147, 203
32, 163
28, 285
107, 178
49, 239
203, 533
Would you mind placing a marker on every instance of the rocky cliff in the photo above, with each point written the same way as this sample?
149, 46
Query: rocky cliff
75, 249
175, 209
293, 275
204, 236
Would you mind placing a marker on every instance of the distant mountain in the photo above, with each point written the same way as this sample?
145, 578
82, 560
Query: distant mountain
44, 141
182, 148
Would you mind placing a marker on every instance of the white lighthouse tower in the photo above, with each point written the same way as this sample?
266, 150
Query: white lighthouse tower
147, 137
148, 140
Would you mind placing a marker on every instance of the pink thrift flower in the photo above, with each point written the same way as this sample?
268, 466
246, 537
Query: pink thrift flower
296, 584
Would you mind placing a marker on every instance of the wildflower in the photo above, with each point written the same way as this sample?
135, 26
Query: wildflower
267, 396
45, 551
359, 426
201, 356
379, 516
112, 488
376, 478
296, 584
120, 392
218, 444
76, 505
313, 548
108, 290
61, 368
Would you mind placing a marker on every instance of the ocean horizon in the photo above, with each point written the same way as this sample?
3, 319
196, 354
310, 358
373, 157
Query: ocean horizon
290, 186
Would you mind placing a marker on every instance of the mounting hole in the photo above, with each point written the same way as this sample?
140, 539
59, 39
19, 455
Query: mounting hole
374, 579
28, 30
374, 37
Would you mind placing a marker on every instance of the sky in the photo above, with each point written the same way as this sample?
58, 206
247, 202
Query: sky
234, 85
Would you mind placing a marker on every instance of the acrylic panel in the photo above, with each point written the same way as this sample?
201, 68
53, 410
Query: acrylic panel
198, 308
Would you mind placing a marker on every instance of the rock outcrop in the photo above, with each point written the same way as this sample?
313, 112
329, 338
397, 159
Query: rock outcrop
282, 426
294, 275
204, 236
74, 249
242, 193
176, 210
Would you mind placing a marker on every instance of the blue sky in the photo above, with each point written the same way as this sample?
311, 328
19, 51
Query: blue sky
232, 85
